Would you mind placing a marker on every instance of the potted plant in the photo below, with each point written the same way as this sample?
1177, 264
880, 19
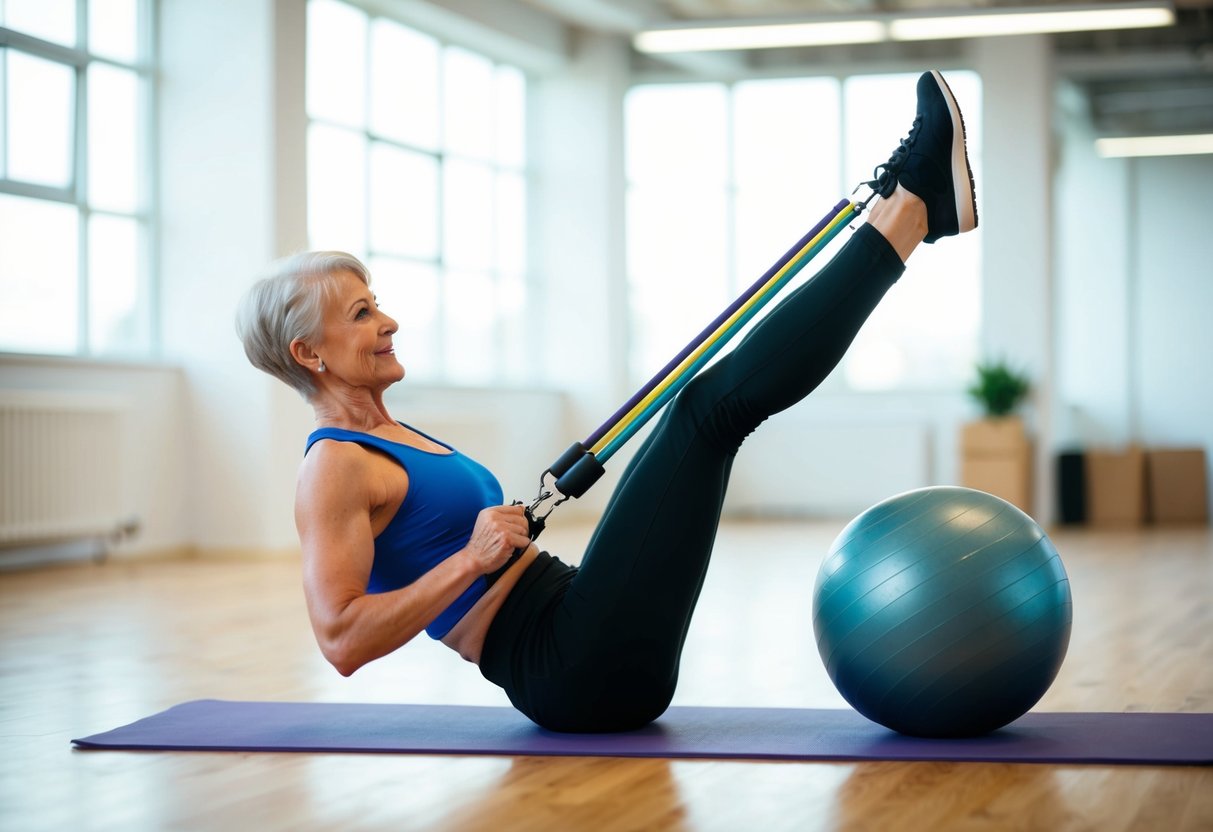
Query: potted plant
998, 388
996, 453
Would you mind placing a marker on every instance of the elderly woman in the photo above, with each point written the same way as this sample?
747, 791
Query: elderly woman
403, 533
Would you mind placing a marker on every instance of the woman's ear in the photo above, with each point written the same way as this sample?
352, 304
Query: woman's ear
306, 356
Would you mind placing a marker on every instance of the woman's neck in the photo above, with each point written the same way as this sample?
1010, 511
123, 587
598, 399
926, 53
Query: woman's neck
360, 410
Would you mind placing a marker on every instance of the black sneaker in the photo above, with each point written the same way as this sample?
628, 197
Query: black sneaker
932, 162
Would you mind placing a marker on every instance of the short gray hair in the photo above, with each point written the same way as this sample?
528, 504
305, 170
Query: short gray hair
287, 304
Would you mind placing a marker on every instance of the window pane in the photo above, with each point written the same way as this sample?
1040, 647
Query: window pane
113, 29
53, 20
677, 132
511, 117
767, 222
336, 200
471, 342
404, 201
38, 276
511, 223
336, 62
40, 102
409, 293
118, 319
677, 268
787, 131
467, 217
785, 150
468, 103
113, 149
404, 84
517, 330
930, 336
879, 112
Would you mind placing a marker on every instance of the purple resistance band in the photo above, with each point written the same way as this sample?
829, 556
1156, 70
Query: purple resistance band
712, 327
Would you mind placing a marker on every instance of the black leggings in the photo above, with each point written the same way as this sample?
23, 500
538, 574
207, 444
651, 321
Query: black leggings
597, 648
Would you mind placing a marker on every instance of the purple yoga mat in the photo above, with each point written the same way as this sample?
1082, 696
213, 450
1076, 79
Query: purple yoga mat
683, 732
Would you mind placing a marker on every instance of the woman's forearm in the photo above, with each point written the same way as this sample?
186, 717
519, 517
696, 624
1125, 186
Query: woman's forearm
372, 625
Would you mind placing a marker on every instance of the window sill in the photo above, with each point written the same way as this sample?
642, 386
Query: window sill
22, 359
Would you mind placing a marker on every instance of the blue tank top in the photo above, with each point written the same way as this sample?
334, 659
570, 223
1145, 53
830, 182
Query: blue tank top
446, 493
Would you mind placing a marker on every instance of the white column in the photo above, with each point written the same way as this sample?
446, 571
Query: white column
1015, 202
578, 217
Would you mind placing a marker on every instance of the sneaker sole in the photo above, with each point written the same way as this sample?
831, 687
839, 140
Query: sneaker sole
962, 175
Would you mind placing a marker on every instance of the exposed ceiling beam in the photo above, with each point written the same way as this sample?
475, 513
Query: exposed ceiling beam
1137, 63
619, 16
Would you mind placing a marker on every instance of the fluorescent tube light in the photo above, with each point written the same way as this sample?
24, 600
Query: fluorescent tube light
761, 36
874, 28
1155, 145
991, 24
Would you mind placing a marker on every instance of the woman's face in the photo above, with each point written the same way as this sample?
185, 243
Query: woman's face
356, 336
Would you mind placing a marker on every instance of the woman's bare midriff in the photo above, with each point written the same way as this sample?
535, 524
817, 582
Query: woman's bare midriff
467, 637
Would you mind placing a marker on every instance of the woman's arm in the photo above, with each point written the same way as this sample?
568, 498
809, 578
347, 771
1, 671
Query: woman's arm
333, 508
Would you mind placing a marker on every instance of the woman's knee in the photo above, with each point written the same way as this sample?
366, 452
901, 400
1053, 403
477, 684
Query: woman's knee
717, 412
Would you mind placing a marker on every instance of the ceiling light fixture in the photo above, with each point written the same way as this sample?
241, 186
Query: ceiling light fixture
998, 23
1186, 145
718, 36
759, 36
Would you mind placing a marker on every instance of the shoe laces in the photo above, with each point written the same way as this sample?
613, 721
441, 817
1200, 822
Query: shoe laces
884, 176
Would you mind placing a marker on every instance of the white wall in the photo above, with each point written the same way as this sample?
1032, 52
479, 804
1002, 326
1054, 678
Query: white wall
1172, 257
1092, 293
218, 230
1134, 297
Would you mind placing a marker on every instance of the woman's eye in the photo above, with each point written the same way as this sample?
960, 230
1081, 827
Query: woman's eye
362, 313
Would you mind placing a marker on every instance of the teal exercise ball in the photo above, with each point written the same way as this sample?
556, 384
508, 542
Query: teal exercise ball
942, 612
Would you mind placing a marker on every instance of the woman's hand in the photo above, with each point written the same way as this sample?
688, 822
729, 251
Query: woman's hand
498, 532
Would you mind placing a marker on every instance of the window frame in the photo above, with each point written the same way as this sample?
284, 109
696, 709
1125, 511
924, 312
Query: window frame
836, 382
440, 154
79, 59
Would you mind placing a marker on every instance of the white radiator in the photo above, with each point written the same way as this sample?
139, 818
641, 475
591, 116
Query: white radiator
60, 466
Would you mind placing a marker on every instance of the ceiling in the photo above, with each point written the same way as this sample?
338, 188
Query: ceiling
1133, 81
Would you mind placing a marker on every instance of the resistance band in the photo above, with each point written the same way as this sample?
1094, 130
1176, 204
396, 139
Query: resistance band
660, 393
581, 465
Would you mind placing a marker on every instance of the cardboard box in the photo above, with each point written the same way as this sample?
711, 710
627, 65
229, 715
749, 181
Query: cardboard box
996, 457
1177, 486
1116, 487
993, 436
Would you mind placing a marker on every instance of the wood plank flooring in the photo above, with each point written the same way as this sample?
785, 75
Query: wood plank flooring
86, 648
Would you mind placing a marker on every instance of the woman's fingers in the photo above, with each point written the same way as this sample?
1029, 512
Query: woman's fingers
499, 531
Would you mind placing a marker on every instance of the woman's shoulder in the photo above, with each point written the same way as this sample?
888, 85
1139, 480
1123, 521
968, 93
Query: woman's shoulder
330, 460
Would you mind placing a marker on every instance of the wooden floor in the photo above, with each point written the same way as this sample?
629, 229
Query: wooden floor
87, 648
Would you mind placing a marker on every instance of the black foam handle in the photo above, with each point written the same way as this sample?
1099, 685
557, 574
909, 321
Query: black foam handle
567, 460
578, 479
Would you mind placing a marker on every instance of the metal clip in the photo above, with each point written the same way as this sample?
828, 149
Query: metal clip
543, 495
535, 520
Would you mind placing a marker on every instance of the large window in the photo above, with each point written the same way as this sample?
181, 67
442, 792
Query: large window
417, 163
722, 179
75, 213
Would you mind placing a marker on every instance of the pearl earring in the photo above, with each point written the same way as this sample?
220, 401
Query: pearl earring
320, 368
